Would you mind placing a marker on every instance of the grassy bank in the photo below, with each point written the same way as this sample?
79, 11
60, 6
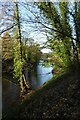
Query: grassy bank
59, 98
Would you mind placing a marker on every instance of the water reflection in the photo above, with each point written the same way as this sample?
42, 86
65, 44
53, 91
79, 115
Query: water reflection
40, 75
11, 92
45, 73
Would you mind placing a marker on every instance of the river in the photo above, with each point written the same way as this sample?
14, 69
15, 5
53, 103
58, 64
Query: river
38, 77
11, 91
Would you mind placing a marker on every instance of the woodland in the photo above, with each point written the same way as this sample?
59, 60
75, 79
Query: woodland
59, 22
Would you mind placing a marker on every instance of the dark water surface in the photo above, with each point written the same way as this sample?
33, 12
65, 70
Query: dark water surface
11, 91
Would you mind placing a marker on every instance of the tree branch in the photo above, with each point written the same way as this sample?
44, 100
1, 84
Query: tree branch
7, 29
58, 31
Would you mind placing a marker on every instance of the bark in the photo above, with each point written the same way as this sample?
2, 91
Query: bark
23, 84
76, 54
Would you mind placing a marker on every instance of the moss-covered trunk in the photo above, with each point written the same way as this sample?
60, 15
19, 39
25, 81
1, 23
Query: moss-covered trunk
23, 84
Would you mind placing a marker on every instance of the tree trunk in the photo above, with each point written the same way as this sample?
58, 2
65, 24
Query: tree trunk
23, 84
76, 54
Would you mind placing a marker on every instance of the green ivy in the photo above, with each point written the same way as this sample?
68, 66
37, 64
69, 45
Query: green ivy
18, 62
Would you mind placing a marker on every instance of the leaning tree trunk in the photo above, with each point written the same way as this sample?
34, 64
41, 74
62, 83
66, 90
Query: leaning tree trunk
23, 84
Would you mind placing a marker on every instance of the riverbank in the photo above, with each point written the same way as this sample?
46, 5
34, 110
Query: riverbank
57, 99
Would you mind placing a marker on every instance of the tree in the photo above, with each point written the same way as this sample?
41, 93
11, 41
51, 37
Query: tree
53, 19
6, 20
18, 56
7, 52
61, 29
32, 51
77, 29
61, 25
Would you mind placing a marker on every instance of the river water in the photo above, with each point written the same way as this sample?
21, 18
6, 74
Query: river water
39, 76
11, 92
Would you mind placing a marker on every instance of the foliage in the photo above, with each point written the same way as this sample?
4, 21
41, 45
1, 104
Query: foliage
32, 54
7, 53
18, 63
60, 35
7, 47
59, 56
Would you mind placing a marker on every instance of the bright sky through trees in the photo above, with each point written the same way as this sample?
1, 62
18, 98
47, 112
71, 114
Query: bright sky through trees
29, 30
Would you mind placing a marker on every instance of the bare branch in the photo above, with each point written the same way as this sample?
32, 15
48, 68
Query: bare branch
7, 29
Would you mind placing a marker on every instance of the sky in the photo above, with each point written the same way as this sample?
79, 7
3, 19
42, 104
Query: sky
38, 36
38, 0
29, 29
